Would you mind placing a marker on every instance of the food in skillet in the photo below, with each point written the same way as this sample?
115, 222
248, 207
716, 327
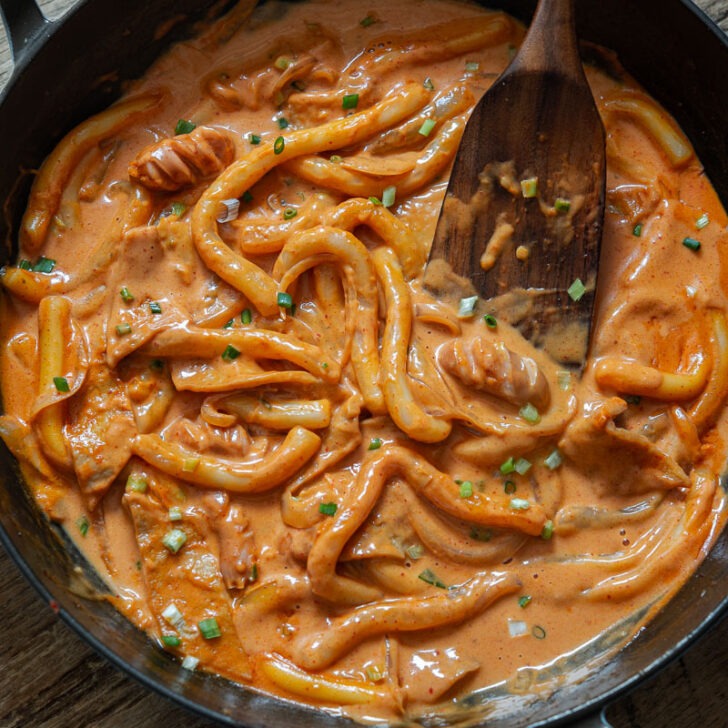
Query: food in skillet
296, 465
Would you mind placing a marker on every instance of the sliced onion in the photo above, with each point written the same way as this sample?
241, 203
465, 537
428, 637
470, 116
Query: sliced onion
517, 628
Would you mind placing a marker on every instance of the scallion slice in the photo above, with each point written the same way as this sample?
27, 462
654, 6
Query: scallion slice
155, 307
466, 307
576, 290
174, 540
490, 321
209, 628
375, 201
538, 632
429, 577
281, 63
61, 384
427, 126
126, 295
178, 208
44, 265
547, 531
522, 466
282, 122
519, 504
350, 101
702, 221
388, 196
175, 513
328, 509
524, 601
83, 525
123, 329
279, 145
507, 467
637, 230
190, 662
254, 139
530, 413
284, 300
368, 20
509, 487
289, 213
230, 353
691, 243
24, 264
375, 443
561, 204
466, 489
171, 640
553, 460
428, 84
472, 66
529, 187
246, 316
173, 616
136, 483
184, 126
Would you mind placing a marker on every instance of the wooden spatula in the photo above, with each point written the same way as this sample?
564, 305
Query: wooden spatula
527, 186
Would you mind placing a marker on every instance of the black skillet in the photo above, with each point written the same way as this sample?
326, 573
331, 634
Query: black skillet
67, 70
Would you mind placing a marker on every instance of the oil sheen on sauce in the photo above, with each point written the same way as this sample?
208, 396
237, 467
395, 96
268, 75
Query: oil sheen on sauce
359, 497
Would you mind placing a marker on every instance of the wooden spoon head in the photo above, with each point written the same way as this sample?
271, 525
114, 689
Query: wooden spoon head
531, 125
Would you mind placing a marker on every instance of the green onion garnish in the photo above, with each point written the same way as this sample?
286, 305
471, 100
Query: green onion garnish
126, 295
350, 101
553, 460
415, 551
83, 525
375, 201
429, 577
388, 196
284, 300
178, 209
253, 573
281, 63
279, 145
184, 126
428, 84
171, 640
136, 483
209, 628
529, 187
702, 221
508, 466
490, 321
522, 466
374, 673
247, 196
530, 413
328, 509
246, 316
524, 601
563, 378
576, 290
190, 662
562, 205
519, 504
24, 264
481, 534
123, 329
538, 632
228, 324
472, 66
61, 384
466, 489
289, 213
367, 21
691, 243
230, 353
174, 540
427, 126
254, 138
375, 443
173, 616
155, 307
44, 265
282, 122
175, 513
547, 531
189, 465
466, 307
637, 230
509, 487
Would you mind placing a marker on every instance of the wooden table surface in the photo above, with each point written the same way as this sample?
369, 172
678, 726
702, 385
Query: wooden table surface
49, 678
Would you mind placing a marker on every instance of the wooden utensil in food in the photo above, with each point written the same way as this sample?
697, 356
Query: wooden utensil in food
526, 194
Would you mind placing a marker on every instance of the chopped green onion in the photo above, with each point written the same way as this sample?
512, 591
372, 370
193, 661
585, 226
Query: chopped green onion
230, 353
466, 489
174, 540
388, 196
247, 196
691, 243
529, 187
123, 329
375, 201
637, 230
374, 673
702, 221
184, 126
281, 63
126, 295
529, 413
284, 300
44, 265
279, 145
547, 531
335, 159
519, 504
228, 324
289, 213
524, 601
562, 205
481, 534
190, 662
508, 466
538, 632
472, 66
522, 466
155, 307
178, 209
209, 628
246, 316
563, 379
416, 551
553, 460
466, 307
428, 84
328, 509
83, 525
576, 290
61, 384
175, 513
509, 487
24, 264
367, 21
350, 101
253, 573
427, 126
173, 616
254, 138
375, 443
429, 577
282, 122
490, 321
136, 483
171, 640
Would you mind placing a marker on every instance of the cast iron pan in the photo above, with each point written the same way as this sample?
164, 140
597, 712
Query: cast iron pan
668, 45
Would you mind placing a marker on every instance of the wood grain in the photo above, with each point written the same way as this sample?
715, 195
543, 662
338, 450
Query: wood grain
49, 678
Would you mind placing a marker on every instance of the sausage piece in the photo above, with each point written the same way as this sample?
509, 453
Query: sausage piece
182, 160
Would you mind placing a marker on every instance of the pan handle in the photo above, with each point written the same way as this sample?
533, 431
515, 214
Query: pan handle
26, 26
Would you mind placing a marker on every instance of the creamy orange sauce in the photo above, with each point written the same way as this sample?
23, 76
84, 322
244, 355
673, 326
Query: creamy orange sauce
357, 497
